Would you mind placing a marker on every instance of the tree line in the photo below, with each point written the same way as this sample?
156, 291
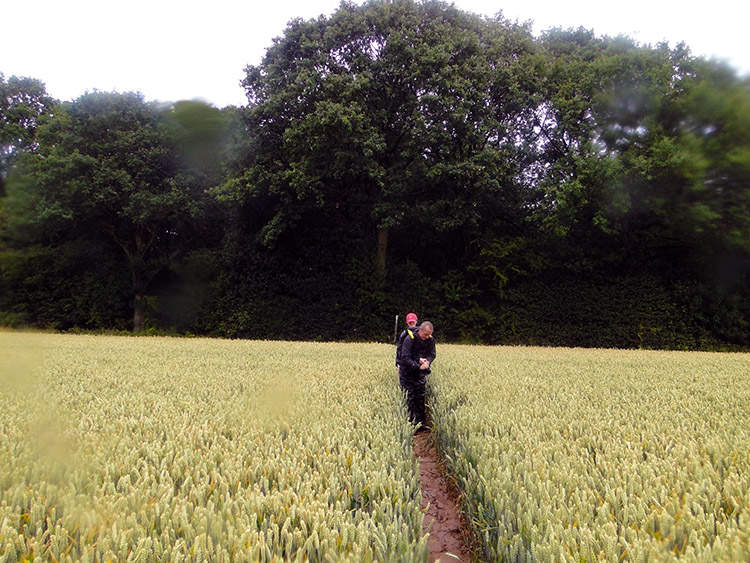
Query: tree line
565, 189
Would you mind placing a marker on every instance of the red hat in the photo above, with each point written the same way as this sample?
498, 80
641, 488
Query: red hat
411, 317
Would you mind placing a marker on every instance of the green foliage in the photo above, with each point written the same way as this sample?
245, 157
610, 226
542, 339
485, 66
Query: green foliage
399, 155
376, 117
108, 169
202, 132
23, 101
626, 312
75, 285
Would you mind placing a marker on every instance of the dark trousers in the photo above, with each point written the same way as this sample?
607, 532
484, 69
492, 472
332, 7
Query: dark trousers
414, 385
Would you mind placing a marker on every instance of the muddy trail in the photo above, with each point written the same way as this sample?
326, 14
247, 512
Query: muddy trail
449, 539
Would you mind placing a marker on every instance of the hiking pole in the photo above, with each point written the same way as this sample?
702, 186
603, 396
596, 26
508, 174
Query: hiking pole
395, 330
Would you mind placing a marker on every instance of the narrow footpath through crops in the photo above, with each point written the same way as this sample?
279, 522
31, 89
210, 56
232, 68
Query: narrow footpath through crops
449, 538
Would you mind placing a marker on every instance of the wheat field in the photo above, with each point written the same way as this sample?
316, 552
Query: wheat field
599, 455
143, 449
165, 449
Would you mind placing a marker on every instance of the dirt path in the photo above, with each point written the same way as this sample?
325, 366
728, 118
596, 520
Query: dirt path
447, 540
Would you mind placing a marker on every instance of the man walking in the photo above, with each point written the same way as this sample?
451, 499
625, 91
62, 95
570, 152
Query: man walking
417, 355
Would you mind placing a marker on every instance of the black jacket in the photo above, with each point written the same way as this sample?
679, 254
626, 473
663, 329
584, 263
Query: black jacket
400, 342
414, 348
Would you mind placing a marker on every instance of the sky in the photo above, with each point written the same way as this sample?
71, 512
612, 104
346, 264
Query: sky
172, 50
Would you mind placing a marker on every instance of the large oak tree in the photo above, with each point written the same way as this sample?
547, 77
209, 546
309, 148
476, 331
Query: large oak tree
392, 115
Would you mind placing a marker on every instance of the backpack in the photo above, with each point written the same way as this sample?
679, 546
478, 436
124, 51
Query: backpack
407, 332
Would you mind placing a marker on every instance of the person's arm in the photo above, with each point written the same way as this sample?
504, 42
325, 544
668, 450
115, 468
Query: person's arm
430, 355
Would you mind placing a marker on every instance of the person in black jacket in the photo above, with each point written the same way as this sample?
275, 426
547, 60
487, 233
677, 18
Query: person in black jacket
417, 355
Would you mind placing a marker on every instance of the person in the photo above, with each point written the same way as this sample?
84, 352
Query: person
417, 355
411, 325
411, 320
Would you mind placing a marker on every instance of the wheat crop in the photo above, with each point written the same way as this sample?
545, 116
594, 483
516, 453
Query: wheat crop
594, 455
159, 449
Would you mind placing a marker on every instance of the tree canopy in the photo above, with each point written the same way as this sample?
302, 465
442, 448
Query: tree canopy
109, 168
392, 116
22, 102
563, 189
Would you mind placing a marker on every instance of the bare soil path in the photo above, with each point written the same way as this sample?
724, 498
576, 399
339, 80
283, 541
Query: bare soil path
448, 537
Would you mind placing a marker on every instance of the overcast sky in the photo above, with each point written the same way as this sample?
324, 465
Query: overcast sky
185, 49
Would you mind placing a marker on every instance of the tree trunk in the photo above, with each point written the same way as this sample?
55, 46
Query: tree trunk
139, 312
382, 248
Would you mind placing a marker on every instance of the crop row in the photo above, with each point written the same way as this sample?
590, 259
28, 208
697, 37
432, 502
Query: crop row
132, 449
592, 455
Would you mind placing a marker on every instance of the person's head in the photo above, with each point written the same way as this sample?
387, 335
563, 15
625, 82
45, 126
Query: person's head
411, 319
425, 330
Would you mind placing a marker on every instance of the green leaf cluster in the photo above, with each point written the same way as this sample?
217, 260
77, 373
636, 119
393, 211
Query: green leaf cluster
401, 155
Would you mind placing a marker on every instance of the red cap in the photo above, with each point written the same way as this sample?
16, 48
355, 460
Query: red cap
411, 317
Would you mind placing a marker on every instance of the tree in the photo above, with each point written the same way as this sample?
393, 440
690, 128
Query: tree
615, 172
22, 102
392, 115
109, 168
713, 139
670, 134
